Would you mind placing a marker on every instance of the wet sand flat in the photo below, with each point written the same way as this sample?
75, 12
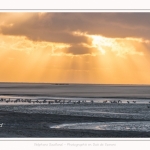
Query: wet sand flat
37, 125
35, 120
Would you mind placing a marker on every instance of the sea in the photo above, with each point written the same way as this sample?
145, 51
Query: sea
130, 102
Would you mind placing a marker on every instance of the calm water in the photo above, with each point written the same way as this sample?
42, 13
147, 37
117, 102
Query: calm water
119, 126
71, 94
76, 90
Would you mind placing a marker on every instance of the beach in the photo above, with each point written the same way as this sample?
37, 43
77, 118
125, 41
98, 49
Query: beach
107, 111
37, 125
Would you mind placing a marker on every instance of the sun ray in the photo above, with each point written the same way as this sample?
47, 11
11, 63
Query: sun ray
87, 58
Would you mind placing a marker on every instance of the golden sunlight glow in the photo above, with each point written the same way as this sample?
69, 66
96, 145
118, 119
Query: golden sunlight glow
104, 60
121, 47
119, 61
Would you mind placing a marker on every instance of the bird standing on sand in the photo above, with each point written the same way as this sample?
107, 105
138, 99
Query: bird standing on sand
119, 101
92, 101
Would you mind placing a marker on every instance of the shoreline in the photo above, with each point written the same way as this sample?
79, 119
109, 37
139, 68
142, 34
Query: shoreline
38, 125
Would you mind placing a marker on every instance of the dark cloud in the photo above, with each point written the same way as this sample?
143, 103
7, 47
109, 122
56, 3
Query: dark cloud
58, 27
41, 30
78, 49
51, 26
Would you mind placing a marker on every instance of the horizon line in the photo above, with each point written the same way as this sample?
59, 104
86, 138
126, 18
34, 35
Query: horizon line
67, 83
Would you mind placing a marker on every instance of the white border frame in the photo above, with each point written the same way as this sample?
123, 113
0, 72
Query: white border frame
25, 143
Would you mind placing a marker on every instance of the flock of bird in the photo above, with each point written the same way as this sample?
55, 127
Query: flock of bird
60, 101
56, 101
118, 101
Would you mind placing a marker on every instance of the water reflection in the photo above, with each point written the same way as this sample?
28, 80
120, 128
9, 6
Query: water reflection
120, 126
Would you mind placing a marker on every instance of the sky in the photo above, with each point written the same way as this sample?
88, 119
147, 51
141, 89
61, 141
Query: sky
95, 48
